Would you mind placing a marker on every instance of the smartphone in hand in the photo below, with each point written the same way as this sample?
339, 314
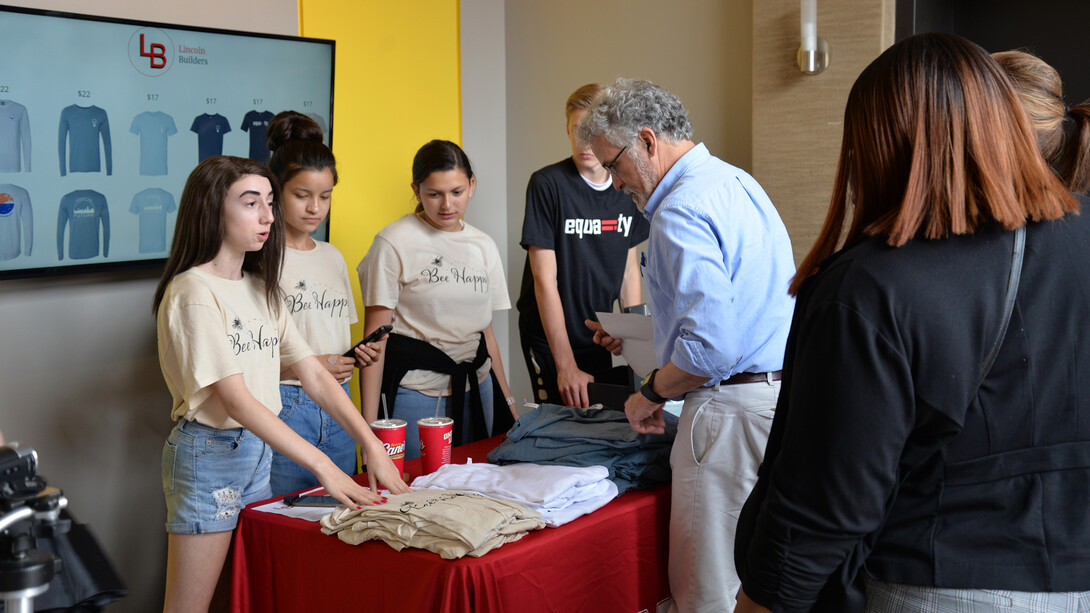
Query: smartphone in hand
299, 500
379, 332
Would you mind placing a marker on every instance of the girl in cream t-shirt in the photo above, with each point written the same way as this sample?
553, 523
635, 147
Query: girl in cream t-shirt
436, 279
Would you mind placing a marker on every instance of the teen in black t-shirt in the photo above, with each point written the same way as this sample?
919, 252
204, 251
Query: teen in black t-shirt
581, 237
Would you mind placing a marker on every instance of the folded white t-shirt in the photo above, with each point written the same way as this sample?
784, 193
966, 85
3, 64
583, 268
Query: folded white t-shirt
559, 493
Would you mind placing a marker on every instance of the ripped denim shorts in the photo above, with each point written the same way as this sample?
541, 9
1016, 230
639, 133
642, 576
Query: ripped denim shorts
209, 475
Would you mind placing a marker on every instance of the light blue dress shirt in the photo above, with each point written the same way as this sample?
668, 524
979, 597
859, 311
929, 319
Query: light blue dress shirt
717, 269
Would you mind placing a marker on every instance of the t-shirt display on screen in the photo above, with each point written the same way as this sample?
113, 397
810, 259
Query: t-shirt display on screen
83, 211
81, 127
210, 130
14, 137
178, 93
152, 205
318, 119
16, 222
256, 123
153, 127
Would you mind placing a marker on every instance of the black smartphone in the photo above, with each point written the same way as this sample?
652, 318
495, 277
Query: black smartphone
379, 332
297, 500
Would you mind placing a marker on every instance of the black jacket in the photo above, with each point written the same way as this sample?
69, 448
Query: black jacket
884, 452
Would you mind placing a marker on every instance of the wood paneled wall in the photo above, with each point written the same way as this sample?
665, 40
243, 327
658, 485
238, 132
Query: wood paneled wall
797, 118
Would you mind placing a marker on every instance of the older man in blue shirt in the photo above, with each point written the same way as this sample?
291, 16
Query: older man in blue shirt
717, 269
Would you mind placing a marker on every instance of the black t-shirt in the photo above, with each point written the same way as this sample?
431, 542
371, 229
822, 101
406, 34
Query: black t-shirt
591, 232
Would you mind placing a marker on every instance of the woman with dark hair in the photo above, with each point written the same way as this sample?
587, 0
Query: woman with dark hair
317, 293
437, 280
224, 337
931, 438
1063, 132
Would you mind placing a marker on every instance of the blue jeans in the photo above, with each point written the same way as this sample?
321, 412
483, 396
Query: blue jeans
210, 474
316, 427
412, 405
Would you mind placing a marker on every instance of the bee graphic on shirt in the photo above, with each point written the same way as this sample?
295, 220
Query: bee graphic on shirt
437, 261
236, 324
301, 285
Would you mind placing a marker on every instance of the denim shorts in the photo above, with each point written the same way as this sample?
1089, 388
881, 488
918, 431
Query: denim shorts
209, 475
316, 427
411, 405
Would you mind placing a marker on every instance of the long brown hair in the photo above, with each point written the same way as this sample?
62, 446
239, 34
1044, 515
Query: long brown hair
199, 230
1063, 133
935, 143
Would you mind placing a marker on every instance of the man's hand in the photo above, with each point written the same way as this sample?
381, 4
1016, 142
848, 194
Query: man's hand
644, 416
601, 337
572, 383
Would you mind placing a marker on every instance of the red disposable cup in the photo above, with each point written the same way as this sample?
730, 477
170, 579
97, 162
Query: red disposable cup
392, 434
435, 442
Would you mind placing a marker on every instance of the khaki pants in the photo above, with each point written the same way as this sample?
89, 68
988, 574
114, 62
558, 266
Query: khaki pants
720, 443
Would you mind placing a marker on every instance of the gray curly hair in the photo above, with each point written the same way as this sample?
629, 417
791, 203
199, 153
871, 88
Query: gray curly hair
622, 109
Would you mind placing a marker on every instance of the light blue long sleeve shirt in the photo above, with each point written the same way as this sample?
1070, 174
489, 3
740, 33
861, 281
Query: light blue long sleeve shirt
717, 269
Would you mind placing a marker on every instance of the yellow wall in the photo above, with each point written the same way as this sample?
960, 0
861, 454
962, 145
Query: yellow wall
396, 87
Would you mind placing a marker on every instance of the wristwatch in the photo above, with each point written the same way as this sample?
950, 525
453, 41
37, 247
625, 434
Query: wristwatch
648, 391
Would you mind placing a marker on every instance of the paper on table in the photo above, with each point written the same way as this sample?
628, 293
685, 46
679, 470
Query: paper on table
639, 339
308, 513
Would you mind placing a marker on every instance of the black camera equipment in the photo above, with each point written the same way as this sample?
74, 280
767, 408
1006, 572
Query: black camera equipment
29, 510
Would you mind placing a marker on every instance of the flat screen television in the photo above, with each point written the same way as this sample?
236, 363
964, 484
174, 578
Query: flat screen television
102, 120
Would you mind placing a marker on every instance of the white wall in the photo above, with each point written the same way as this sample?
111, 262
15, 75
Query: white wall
699, 49
80, 380
484, 115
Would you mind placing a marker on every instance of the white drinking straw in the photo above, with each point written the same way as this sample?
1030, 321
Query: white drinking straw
385, 413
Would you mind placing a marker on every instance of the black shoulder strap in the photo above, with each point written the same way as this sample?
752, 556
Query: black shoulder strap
1008, 306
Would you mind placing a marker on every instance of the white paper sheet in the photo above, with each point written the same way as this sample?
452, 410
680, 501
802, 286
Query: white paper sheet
638, 336
308, 513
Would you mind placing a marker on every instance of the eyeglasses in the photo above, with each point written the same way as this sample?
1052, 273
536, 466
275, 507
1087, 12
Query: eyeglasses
610, 166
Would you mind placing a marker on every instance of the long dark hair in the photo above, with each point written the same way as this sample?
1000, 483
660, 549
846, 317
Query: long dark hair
199, 230
439, 156
935, 143
295, 141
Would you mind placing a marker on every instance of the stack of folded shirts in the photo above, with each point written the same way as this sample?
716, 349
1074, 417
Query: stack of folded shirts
451, 524
570, 436
559, 493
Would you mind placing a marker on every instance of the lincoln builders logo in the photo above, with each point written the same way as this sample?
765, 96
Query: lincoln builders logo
151, 51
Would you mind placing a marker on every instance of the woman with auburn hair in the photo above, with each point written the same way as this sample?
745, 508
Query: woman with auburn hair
1063, 132
922, 445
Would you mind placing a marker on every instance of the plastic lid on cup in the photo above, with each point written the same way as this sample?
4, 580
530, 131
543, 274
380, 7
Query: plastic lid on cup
389, 423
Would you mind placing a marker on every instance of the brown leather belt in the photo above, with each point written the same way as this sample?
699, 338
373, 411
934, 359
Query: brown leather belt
752, 377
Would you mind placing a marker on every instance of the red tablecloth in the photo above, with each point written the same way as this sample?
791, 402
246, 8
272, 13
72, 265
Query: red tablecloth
611, 560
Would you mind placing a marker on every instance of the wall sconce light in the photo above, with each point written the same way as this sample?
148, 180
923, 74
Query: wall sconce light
813, 53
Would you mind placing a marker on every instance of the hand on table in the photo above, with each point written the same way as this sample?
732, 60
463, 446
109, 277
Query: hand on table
382, 472
644, 416
345, 489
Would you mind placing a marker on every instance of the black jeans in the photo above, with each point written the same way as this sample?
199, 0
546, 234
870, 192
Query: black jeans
535, 349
